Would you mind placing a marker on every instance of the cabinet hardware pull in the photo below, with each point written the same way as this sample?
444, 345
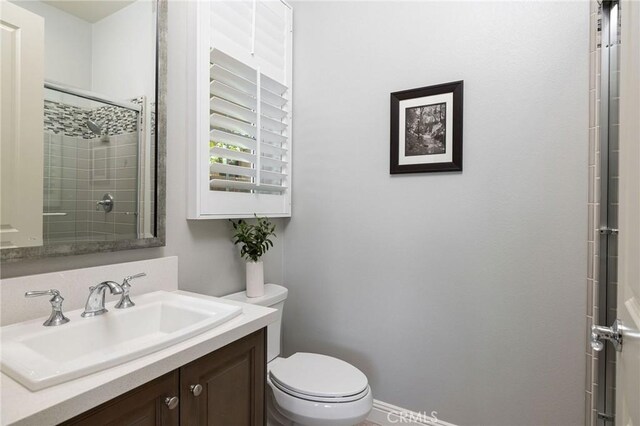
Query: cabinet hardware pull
171, 402
196, 390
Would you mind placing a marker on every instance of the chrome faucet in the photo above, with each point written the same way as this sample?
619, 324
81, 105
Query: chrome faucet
95, 301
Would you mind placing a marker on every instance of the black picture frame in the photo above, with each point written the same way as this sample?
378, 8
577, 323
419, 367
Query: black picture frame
424, 115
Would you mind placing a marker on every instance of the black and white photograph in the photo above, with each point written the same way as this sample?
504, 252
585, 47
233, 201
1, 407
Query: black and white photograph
426, 129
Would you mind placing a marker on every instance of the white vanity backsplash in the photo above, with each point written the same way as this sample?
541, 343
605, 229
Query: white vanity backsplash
162, 274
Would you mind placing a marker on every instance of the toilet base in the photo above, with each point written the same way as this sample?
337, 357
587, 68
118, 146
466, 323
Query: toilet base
274, 417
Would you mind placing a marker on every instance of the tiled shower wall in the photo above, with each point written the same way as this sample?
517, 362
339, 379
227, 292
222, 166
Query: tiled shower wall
115, 172
81, 167
591, 385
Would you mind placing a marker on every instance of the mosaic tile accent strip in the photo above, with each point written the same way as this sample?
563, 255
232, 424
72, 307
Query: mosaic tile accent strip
70, 120
152, 105
67, 120
116, 120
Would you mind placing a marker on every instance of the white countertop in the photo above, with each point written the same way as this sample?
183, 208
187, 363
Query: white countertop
19, 406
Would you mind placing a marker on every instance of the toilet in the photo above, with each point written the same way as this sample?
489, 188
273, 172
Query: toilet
306, 388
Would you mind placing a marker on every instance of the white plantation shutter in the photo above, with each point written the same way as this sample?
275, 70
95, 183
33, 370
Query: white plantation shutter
248, 128
241, 115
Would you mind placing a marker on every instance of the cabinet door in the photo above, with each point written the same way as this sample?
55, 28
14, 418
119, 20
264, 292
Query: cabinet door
233, 385
143, 406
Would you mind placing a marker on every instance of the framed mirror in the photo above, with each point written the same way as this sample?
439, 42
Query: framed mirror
83, 126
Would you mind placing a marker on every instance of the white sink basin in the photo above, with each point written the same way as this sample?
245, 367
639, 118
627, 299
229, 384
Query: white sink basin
39, 357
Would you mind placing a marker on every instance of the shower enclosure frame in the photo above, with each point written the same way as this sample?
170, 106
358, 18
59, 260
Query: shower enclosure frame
86, 94
141, 126
607, 225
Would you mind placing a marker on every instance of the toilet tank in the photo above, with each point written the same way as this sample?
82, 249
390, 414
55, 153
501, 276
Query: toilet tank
274, 297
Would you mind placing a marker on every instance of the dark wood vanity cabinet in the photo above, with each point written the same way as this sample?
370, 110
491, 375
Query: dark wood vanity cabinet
225, 387
233, 385
143, 406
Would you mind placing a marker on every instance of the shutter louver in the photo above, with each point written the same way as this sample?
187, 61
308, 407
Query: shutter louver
248, 128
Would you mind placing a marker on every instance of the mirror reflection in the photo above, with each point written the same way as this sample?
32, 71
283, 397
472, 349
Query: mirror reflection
94, 158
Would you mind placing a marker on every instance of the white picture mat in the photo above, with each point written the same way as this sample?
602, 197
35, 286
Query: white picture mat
447, 157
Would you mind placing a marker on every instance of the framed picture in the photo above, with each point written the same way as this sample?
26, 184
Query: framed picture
426, 129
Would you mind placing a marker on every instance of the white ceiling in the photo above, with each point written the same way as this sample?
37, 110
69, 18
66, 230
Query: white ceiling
90, 10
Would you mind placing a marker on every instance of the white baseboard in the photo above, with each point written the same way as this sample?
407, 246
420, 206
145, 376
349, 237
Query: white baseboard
390, 415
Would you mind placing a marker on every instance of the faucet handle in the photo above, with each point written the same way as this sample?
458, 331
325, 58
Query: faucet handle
56, 317
125, 300
53, 292
132, 277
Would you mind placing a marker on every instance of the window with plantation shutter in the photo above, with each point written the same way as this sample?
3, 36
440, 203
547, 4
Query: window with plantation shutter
242, 146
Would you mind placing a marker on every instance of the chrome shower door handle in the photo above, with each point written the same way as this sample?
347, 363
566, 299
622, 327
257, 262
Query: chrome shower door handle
613, 334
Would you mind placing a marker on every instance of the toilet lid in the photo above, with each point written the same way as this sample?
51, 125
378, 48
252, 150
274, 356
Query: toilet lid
318, 375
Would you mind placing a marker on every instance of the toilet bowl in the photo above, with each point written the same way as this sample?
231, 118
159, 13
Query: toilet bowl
306, 388
317, 390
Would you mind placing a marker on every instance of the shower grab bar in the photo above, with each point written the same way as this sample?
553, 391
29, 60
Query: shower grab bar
91, 96
54, 214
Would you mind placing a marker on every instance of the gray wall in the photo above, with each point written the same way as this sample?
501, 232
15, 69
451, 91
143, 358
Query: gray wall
208, 261
462, 293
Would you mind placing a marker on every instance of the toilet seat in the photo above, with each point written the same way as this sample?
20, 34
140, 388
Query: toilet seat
315, 398
320, 378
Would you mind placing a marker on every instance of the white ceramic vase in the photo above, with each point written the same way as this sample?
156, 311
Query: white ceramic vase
255, 279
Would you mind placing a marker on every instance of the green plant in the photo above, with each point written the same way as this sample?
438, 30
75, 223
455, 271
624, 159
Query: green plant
255, 238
